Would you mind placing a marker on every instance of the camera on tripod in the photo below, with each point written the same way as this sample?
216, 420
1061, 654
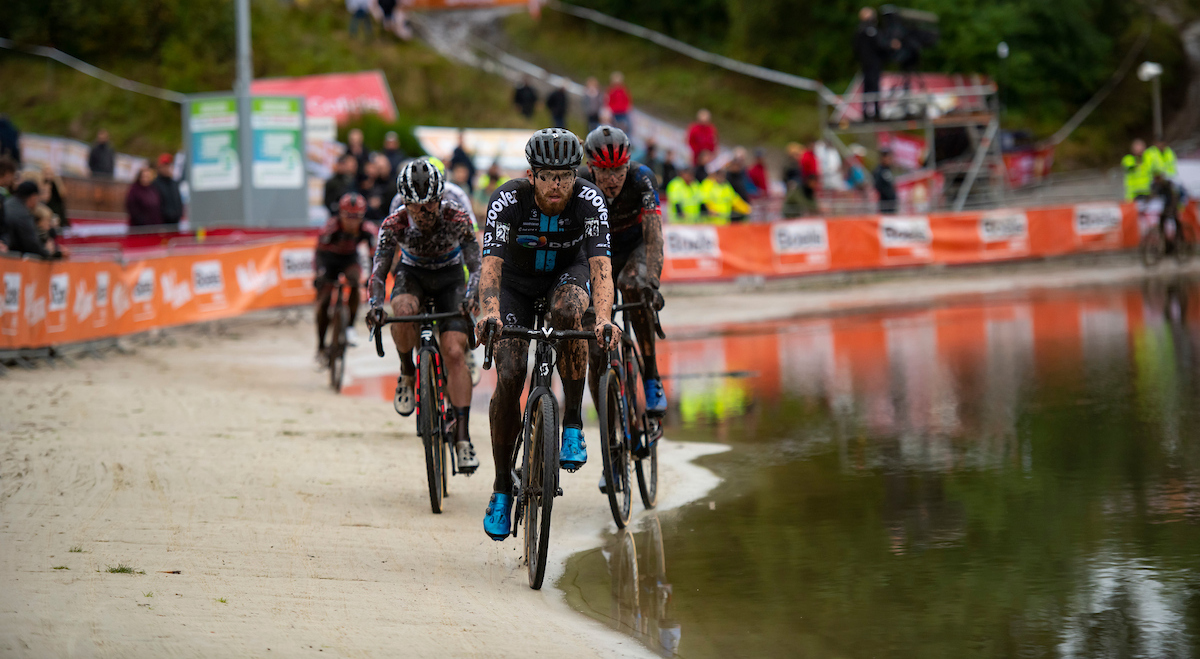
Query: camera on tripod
908, 32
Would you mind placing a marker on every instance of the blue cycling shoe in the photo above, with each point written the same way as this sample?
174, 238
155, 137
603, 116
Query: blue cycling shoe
574, 449
656, 398
496, 519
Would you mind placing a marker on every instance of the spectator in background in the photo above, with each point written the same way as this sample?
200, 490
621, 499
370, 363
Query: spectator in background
702, 135
385, 189
871, 51
829, 162
619, 101
669, 170
885, 182
142, 201
593, 101
355, 147
21, 236
489, 181
102, 159
393, 152
810, 175
8, 175
170, 202
735, 173
795, 203
758, 173
393, 21
360, 13
46, 223
700, 170
10, 139
855, 173
722, 204
556, 103
651, 159
460, 175
343, 181
461, 157
684, 198
52, 194
525, 97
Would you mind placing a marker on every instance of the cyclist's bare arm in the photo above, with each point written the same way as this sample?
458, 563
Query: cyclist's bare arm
381, 265
489, 292
602, 295
652, 235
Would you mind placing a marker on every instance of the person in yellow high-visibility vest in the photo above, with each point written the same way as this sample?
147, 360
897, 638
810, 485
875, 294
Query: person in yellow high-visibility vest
720, 200
684, 198
1139, 171
1161, 157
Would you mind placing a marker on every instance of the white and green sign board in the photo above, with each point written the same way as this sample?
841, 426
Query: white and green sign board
213, 124
278, 143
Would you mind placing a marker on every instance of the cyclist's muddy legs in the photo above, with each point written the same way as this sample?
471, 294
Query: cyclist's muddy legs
405, 334
566, 313
354, 278
512, 359
324, 294
458, 379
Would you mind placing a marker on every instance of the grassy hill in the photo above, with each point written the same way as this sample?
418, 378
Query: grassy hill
45, 97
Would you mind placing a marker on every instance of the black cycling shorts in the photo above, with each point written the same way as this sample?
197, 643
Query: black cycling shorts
518, 291
446, 286
330, 265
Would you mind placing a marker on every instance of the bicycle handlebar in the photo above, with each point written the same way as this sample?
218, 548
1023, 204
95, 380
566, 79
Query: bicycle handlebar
647, 294
523, 333
422, 318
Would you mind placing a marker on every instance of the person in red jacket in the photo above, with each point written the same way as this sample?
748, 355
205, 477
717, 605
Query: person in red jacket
702, 135
758, 172
619, 102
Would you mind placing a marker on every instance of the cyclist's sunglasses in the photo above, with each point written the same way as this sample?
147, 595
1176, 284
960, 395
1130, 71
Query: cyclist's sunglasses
557, 176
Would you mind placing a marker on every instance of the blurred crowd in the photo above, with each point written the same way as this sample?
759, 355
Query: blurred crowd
32, 212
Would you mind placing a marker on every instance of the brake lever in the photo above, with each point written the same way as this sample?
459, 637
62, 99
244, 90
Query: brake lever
489, 341
378, 330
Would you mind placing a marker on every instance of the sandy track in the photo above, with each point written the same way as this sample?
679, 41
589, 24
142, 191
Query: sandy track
227, 458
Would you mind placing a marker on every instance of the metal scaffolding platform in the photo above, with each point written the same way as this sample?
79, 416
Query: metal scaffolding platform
929, 103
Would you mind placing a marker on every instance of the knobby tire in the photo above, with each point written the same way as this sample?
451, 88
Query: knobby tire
613, 448
429, 422
539, 484
646, 466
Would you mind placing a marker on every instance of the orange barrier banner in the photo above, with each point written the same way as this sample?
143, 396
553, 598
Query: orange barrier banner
60, 302
696, 252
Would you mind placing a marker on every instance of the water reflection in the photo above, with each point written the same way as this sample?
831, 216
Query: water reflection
1014, 476
638, 598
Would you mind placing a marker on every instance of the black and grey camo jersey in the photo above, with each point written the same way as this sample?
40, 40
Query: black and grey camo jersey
451, 242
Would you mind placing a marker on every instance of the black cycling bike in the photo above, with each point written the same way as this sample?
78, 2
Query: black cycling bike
431, 397
627, 433
1167, 235
535, 470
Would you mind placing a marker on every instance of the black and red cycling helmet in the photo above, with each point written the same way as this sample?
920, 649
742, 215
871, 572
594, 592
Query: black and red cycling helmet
607, 147
353, 205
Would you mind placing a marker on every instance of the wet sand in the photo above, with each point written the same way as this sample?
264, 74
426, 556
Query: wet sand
265, 516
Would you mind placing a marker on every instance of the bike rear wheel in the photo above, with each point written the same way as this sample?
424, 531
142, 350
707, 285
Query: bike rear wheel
614, 448
539, 476
1152, 246
645, 462
1185, 242
429, 422
337, 345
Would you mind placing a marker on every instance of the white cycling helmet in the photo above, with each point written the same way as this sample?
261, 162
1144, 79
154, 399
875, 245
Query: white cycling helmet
420, 182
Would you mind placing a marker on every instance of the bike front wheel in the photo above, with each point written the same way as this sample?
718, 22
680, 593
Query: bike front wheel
429, 422
539, 476
614, 448
1185, 242
646, 458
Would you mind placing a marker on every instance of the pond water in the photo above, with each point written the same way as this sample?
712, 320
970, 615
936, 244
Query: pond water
1015, 476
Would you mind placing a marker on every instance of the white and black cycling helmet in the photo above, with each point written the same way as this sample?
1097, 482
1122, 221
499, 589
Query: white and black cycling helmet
420, 182
553, 148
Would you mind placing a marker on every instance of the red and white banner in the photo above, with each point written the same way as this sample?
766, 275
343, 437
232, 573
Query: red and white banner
1028, 167
339, 95
908, 152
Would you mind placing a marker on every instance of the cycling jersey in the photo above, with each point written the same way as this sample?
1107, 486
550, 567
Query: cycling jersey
532, 242
451, 242
637, 198
335, 240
